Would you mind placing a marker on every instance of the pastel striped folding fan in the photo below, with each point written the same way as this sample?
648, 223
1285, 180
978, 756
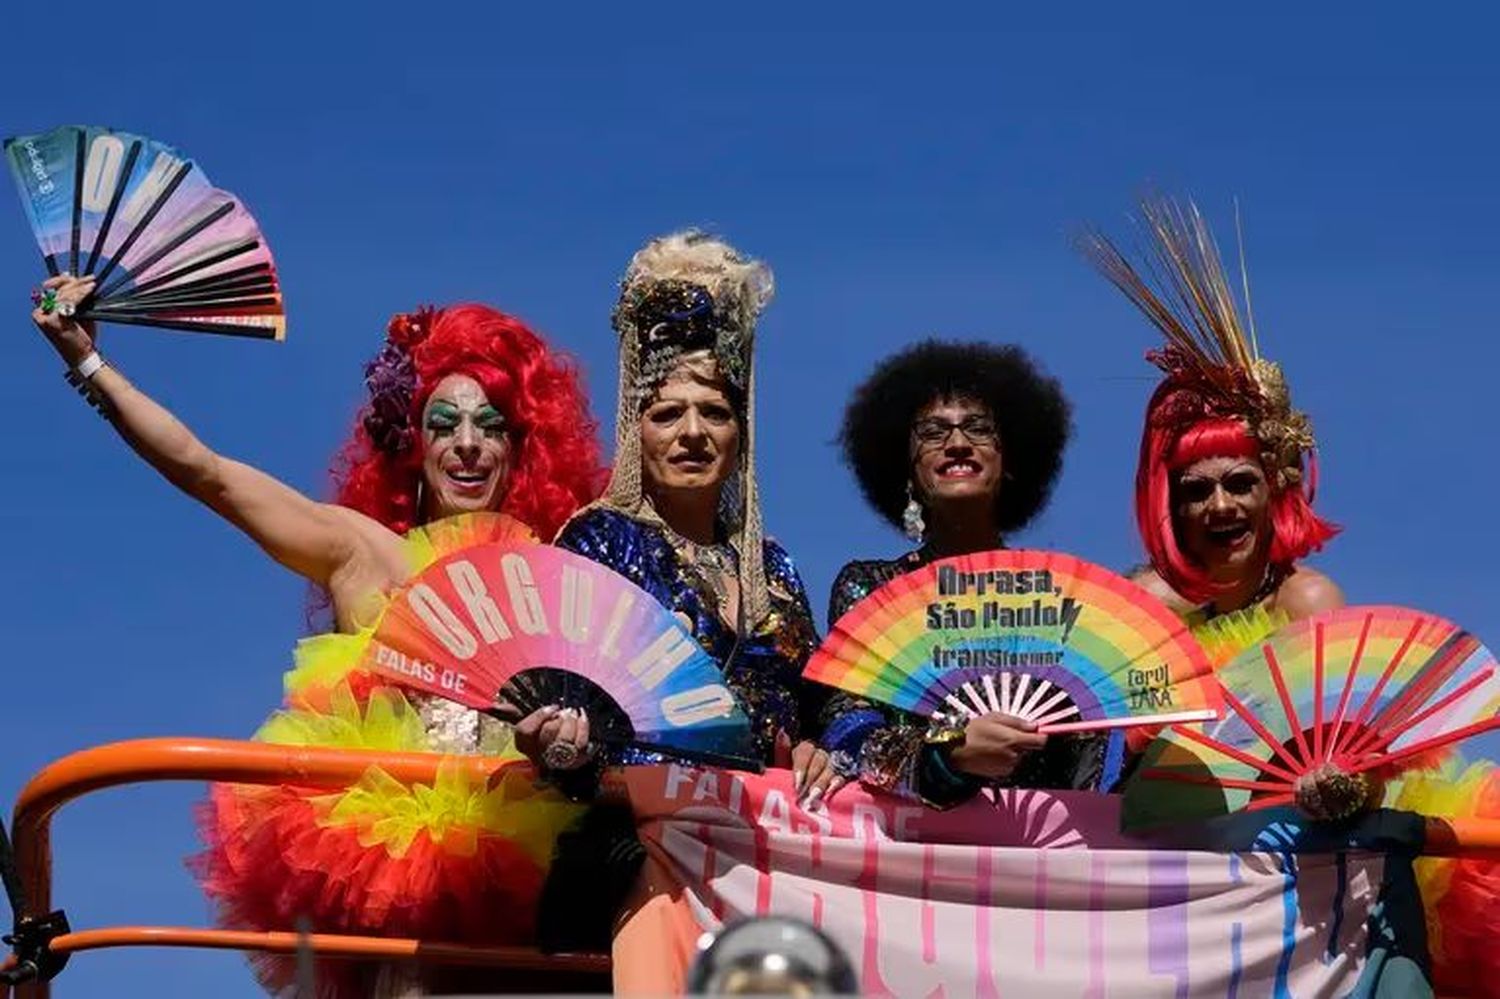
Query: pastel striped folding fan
168, 248
1352, 691
510, 626
1041, 636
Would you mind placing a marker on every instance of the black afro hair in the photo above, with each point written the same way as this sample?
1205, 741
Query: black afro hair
1031, 412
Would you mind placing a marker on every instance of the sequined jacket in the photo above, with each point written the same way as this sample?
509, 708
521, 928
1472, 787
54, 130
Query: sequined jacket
764, 669
886, 747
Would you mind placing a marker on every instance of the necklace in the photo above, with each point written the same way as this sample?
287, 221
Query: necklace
1268, 586
712, 564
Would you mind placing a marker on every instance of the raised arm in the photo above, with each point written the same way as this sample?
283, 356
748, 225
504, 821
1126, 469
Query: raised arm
312, 539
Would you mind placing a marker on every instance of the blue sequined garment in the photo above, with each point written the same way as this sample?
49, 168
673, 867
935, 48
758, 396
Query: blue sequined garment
764, 669
888, 746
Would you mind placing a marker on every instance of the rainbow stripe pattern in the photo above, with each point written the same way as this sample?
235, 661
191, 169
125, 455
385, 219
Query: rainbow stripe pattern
1359, 688
1040, 635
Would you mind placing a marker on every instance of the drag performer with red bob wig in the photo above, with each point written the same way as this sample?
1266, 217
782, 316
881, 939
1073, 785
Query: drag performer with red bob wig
469, 413
1224, 495
1227, 473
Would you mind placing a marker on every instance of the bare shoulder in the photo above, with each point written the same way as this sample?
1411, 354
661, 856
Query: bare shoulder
1307, 592
1150, 580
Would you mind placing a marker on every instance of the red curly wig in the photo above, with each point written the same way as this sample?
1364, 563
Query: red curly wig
1167, 447
557, 466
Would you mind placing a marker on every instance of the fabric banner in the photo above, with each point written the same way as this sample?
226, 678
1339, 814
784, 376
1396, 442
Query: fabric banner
1035, 894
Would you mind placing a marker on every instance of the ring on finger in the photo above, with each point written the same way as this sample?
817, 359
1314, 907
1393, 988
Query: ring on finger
44, 299
561, 756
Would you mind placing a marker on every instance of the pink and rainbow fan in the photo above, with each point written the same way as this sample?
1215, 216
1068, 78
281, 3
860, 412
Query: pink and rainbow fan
510, 626
1318, 709
167, 248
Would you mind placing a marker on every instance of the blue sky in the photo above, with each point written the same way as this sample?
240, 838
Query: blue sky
905, 173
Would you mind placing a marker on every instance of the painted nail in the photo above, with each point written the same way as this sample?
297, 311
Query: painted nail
813, 798
798, 776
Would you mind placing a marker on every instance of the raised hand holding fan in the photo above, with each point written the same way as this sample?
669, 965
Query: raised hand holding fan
515, 624
1314, 709
1042, 636
166, 247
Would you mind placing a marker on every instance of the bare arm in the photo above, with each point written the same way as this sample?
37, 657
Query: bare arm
312, 539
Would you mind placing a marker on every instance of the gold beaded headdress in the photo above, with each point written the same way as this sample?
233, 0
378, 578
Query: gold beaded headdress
687, 294
1213, 365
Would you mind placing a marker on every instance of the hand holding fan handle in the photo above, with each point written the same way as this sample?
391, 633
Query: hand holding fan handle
55, 315
993, 745
555, 738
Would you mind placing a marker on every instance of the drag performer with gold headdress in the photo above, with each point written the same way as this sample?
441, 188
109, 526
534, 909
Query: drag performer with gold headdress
1224, 495
1227, 473
681, 519
470, 413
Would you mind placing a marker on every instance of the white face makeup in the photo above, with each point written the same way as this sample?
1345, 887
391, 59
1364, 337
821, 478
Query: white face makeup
467, 449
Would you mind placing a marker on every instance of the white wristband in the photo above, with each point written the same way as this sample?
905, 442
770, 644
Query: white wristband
89, 366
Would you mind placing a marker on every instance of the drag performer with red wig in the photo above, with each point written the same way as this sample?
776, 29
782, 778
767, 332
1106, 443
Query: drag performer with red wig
470, 415
1223, 490
1224, 495
1227, 473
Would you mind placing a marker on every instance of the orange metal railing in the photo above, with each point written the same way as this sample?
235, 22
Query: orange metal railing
143, 760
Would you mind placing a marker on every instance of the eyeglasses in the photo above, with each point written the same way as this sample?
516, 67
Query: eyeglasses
977, 430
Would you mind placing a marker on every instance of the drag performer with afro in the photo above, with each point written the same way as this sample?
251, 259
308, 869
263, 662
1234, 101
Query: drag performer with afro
473, 418
958, 445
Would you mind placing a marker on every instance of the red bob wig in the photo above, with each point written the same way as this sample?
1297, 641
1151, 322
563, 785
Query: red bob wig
557, 466
1169, 446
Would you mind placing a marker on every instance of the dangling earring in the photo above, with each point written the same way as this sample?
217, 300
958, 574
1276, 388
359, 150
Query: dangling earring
911, 518
419, 514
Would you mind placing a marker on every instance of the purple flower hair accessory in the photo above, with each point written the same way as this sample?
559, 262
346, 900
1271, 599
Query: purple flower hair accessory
391, 378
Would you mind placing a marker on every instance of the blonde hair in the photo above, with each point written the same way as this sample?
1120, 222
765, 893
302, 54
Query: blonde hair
741, 284
740, 287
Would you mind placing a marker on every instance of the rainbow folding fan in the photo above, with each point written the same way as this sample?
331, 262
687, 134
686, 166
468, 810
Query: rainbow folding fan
1040, 636
508, 627
167, 247
1357, 690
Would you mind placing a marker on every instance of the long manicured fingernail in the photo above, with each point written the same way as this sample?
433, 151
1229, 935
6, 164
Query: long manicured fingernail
813, 798
798, 776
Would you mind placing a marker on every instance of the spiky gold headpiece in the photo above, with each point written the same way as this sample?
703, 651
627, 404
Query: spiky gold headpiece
1210, 358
